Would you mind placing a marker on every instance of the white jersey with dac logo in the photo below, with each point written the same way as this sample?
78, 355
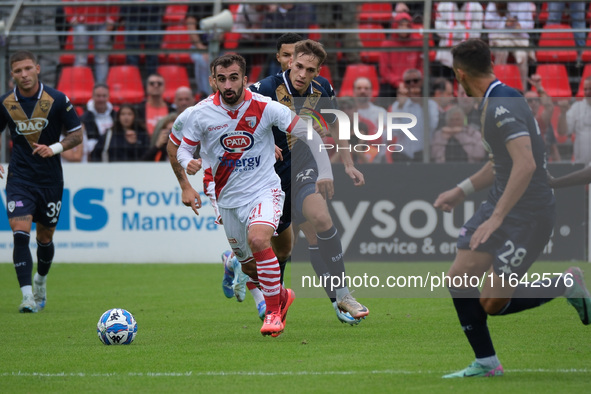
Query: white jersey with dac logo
238, 144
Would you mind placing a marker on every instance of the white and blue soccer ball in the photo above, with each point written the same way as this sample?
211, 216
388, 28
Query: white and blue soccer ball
116, 327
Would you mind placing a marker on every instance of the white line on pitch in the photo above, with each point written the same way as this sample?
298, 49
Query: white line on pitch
260, 373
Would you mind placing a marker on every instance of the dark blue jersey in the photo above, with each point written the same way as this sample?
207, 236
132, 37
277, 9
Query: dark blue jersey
37, 119
280, 89
505, 115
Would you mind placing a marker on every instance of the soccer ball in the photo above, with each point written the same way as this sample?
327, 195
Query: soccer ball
116, 327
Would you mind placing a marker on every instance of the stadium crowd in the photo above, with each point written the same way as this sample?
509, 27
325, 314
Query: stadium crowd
144, 72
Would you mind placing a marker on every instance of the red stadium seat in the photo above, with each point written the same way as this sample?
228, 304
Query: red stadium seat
175, 14
68, 59
118, 45
555, 79
375, 13
565, 40
371, 39
325, 72
231, 40
586, 74
174, 77
125, 83
77, 83
354, 71
314, 35
509, 75
172, 41
586, 55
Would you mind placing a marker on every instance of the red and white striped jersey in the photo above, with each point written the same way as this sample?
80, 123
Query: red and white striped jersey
238, 144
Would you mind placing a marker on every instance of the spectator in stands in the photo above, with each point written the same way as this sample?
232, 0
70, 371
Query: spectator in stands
542, 107
349, 107
376, 115
576, 10
576, 119
127, 141
457, 141
144, 18
154, 108
200, 42
443, 94
286, 16
251, 17
183, 99
92, 21
470, 107
34, 29
410, 100
513, 15
97, 119
392, 64
157, 150
339, 16
451, 18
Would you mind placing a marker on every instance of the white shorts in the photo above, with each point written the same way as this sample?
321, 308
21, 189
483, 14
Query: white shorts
266, 209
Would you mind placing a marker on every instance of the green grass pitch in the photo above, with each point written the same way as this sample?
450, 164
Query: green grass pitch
192, 339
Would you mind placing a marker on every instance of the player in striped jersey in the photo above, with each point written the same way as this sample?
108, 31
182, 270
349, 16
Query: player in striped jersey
235, 128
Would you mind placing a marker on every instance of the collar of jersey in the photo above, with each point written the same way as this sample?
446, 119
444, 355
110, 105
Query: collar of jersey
16, 92
492, 85
217, 100
291, 90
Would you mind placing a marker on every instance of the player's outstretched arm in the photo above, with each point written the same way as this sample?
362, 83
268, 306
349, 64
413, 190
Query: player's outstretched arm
580, 177
189, 196
1, 172
71, 140
449, 199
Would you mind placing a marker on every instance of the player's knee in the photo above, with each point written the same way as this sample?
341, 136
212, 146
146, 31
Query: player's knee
258, 243
492, 305
321, 220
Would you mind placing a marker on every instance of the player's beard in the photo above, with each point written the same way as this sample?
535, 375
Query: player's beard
234, 99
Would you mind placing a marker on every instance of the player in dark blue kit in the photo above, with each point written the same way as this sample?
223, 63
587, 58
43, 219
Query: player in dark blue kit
299, 89
36, 115
510, 229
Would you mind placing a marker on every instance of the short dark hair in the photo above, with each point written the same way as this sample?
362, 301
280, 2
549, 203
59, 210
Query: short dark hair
439, 84
227, 60
473, 57
100, 85
312, 48
288, 38
20, 56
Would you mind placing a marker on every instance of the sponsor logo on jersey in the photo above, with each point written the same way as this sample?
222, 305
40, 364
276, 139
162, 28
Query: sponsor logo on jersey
240, 164
237, 142
505, 121
500, 110
215, 128
31, 126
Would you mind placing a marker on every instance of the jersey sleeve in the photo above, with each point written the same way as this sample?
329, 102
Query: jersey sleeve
506, 116
70, 118
176, 134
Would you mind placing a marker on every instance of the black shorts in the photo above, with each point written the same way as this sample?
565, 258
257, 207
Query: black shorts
44, 203
304, 174
517, 243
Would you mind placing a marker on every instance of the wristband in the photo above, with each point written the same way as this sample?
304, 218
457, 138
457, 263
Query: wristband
467, 186
56, 148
